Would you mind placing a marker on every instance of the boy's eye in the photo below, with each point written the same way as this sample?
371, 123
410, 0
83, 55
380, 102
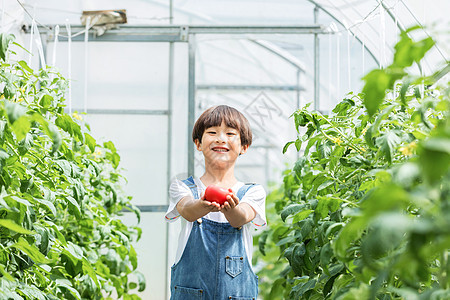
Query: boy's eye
231, 133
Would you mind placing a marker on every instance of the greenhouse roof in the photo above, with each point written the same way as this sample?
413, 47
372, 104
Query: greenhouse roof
374, 23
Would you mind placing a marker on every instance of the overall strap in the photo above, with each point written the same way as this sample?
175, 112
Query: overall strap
191, 184
241, 192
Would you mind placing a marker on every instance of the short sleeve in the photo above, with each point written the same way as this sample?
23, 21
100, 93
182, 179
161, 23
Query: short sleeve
177, 191
256, 198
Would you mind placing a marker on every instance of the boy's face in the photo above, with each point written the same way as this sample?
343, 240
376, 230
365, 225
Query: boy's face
221, 145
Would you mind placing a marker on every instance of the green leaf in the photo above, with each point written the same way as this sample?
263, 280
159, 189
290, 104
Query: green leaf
66, 123
407, 51
435, 158
360, 292
133, 257
25, 144
373, 131
5, 40
326, 253
384, 198
51, 130
44, 243
87, 268
115, 160
298, 145
55, 136
141, 280
286, 240
329, 285
3, 155
291, 209
110, 145
302, 288
325, 184
285, 148
348, 235
49, 205
326, 205
301, 215
90, 141
342, 107
67, 285
25, 66
131, 296
387, 143
3, 125
32, 292
11, 225
74, 258
377, 82
74, 207
14, 111
387, 232
31, 250
46, 101
5, 274
132, 285
262, 242
440, 144
295, 254
21, 127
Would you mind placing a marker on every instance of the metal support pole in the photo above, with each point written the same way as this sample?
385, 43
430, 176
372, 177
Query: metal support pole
44, 43
191, 105
298, 99
297, 94
169, 144
316, 62
169, 148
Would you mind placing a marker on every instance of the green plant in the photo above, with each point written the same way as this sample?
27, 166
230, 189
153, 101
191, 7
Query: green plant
61, 198
365, 211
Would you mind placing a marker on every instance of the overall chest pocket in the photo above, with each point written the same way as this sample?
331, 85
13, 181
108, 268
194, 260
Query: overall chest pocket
185, 293
234, 265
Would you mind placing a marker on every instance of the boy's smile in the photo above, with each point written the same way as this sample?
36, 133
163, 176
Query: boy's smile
220, 149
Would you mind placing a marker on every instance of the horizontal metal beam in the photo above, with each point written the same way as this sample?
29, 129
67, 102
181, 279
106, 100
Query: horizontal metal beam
149, 208
121, 111
112, 37
249, 87
174, 33
262, 29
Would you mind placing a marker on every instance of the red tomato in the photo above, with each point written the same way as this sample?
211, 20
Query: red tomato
216, 194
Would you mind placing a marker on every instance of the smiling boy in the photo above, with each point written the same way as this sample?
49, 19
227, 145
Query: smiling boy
214, 252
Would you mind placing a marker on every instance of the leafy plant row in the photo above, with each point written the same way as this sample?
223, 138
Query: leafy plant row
60, 196
365, 211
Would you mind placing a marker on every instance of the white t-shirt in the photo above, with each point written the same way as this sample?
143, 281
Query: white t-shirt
255, 197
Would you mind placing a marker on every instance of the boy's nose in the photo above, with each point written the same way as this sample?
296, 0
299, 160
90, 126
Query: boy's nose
221, 137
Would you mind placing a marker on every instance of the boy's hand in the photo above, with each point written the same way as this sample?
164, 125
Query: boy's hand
237, 213
211, 206
232, 202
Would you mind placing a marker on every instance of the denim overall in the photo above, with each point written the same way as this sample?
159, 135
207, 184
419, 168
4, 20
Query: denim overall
214, 264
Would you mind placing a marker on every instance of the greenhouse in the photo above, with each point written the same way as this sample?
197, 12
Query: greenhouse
340, 189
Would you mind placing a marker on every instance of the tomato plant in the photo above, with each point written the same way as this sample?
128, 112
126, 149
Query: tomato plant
364, 213
60, 196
